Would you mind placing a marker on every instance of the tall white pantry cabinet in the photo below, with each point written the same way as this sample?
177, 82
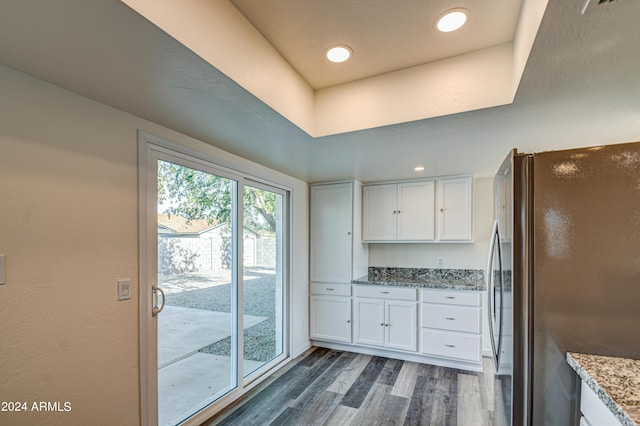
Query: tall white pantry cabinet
337, 257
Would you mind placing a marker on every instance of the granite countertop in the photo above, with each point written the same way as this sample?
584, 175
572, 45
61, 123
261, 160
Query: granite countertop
616, 381
449, 279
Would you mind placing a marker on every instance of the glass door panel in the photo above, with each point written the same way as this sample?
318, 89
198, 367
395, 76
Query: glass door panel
197, 338
263, 282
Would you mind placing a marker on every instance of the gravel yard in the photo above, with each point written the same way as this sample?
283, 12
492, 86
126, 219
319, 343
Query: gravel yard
200, 291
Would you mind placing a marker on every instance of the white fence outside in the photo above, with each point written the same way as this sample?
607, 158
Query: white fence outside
177, 255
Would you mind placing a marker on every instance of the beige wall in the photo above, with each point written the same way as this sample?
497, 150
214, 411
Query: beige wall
69, 230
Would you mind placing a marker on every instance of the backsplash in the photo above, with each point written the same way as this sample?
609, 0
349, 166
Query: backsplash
427, 273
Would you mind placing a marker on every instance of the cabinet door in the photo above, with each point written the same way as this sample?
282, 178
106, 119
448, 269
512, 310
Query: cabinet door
331, 234
380, 212
369, 322
455, 209
401, 325
416, 205
331, 318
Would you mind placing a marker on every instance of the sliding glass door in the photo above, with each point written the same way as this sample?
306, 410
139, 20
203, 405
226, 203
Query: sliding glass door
197, 264
263, 276
213, 285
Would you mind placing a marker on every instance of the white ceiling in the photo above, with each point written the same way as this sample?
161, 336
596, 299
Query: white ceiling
580, 87
385, 36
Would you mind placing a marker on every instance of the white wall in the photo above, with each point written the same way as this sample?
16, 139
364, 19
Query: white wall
69, 230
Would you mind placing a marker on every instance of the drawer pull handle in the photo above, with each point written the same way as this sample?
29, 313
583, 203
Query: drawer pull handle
330, 289
450, 318
348, 321
384, 292
450, 346
451, 297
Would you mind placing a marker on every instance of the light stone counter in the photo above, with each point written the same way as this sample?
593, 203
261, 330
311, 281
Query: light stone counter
446, 279
616, 381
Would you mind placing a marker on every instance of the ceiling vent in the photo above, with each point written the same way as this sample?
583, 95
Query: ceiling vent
590, 5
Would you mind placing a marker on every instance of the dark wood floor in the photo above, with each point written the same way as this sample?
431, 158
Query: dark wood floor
328, 387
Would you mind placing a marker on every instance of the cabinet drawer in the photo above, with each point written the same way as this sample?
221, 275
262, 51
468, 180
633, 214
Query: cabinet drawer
448, 317
331, 289
452, 297
381, 292
451, 345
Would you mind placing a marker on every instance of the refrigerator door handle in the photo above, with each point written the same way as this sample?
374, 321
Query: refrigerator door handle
491, 302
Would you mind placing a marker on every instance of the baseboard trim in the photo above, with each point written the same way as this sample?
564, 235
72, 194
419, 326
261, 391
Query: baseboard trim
405, 356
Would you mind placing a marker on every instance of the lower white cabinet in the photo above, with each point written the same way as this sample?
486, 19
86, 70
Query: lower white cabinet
330, 312
440, 327
451, 325
594, 412
387, 323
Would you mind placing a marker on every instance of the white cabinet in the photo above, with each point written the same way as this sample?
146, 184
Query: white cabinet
381, 321
369, 322
380, 206
400, 325
331, 318
419, 211
455, 208
594, 412
337, 254
330, 312
399, 212
451, 325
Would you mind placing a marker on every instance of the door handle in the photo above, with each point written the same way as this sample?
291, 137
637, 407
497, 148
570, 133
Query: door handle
495, 349
155, 309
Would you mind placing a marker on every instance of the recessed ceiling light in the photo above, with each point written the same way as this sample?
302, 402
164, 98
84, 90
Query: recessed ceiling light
418, 168
451, 20
339, 53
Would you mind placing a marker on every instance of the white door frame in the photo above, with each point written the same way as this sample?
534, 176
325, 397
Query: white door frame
150, 149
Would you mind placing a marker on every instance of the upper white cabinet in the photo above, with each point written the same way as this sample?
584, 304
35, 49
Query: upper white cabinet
419, 211
379, 219
337, 254
399, 212
455, 209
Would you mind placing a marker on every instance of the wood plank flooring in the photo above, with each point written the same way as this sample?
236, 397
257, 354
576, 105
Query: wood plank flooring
328, 387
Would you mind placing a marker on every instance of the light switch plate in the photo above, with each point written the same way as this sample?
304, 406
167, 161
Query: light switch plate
124, 289
2, 273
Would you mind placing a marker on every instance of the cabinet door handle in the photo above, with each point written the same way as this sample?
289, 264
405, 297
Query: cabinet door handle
395, 211
381, 324
450, 318
450, 346
348, 321
386, 325
442, 210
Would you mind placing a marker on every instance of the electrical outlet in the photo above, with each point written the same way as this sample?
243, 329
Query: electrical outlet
440, 262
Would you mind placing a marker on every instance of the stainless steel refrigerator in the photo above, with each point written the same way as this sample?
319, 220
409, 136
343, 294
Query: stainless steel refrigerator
563, 275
